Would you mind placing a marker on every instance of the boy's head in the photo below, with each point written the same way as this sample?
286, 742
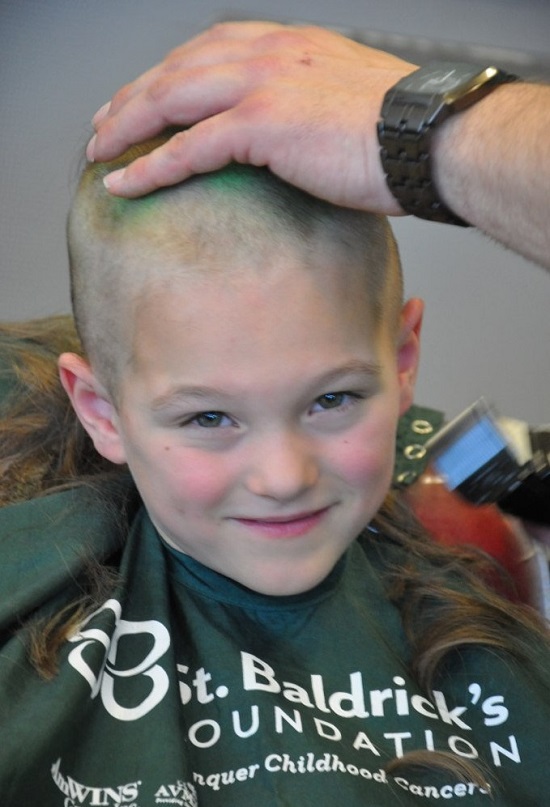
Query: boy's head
215, 223
249, 358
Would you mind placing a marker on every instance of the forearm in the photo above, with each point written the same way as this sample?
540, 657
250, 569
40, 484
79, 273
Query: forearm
492, 167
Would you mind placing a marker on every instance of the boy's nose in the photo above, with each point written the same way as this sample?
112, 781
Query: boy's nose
283, 468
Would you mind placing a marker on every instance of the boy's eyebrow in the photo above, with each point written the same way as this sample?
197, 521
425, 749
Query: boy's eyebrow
354, 367
175, 393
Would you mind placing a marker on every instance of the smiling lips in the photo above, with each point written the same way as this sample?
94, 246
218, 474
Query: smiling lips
285, 527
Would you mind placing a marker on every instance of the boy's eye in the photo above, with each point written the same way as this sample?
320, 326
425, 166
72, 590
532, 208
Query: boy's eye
335, 400
331, 400
210, 420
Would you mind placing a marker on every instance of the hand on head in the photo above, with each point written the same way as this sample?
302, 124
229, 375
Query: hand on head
302, 100
305, 102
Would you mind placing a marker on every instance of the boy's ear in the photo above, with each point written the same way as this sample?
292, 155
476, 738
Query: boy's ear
92, 405
408, 350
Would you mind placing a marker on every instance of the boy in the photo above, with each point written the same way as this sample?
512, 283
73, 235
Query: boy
247, 357
293, 320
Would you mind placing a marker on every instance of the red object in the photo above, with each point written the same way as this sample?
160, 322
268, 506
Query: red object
453, 521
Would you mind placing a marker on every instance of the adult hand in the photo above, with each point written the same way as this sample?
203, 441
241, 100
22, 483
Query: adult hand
302, 100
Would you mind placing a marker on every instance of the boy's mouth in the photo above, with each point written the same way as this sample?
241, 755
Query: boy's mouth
290, 526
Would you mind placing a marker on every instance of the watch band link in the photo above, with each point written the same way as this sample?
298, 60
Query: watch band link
408, 167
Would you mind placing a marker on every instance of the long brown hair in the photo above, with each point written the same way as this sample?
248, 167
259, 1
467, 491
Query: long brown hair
42, 445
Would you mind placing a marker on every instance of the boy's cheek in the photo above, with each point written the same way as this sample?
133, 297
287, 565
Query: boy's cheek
198, 482
364, 467
367, 455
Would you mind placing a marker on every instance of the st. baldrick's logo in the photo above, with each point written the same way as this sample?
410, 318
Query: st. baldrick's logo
107, 674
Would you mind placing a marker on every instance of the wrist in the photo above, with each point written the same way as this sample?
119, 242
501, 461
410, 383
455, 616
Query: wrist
463, 152
413, 112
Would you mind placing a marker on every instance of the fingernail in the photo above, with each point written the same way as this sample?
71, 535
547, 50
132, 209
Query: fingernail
113, 179
100, 114
90, 150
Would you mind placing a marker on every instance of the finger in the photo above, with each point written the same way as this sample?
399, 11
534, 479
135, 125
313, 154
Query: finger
172, 94
186, 96
181, 99
209, 145
101, 113
167, 165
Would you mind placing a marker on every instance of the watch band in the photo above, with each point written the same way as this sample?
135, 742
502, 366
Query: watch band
408, 120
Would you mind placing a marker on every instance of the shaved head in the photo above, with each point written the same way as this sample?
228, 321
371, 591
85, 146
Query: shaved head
122, 250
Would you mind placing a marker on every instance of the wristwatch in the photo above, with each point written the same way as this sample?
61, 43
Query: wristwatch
411, 112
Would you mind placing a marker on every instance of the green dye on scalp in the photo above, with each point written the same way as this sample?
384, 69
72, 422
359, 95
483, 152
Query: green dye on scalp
118, 216
131, 210
234, 177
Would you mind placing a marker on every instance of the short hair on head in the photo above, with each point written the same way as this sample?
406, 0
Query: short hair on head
118, 246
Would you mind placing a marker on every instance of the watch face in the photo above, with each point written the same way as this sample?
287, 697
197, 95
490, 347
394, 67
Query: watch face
439, 78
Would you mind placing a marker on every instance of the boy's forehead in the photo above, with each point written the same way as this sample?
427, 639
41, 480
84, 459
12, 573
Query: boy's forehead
247, 342
164, 256
157, 241
322, 271
251, 299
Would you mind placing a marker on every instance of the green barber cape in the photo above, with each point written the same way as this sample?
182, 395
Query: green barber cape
185, 688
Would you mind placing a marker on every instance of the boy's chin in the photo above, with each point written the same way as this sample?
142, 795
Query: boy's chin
289, 584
